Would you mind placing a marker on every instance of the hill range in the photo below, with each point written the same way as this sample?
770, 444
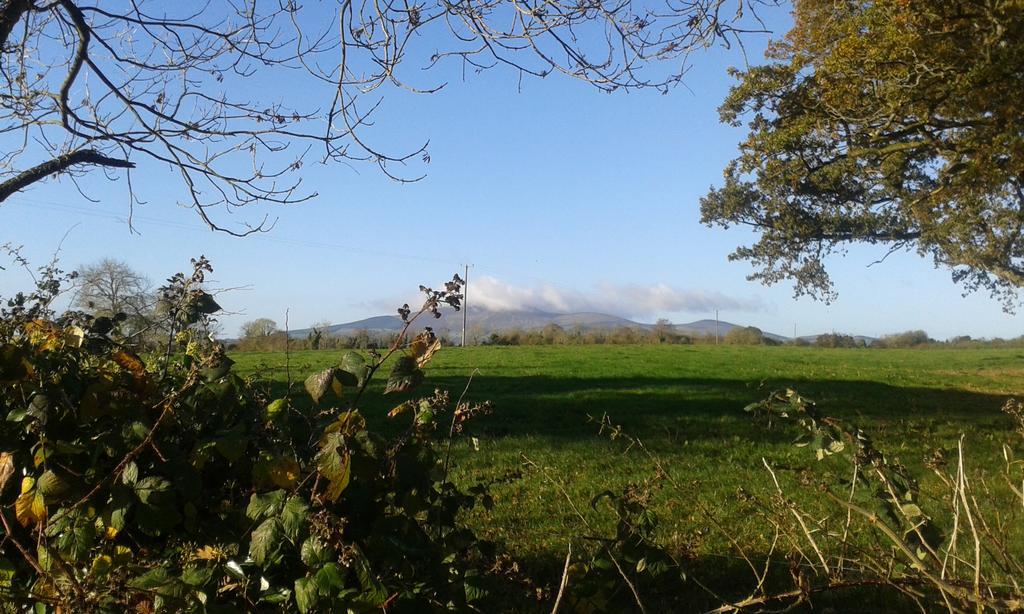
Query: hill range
483, 322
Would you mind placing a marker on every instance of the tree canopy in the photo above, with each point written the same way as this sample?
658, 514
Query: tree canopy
884, 122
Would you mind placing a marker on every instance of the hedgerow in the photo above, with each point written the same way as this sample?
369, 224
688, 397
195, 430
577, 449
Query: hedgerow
169, 483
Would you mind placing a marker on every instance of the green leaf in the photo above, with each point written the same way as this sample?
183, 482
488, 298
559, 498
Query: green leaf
280, 595
150, 580
293, 518
336, 466
130, 475
475, 587
117, 517
330, 579
318, 384
354, 363
38, 406
147, 487
424, 417
6, 573
196, 576
160, 582
276, 407
305, 594
374, 593
264, 541
262, 506
76, 544
52, 486
315, 553
404, 376
911, 510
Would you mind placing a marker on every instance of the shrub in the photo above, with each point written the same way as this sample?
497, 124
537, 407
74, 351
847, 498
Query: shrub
171, 483
836, 340
906, 339
747, 335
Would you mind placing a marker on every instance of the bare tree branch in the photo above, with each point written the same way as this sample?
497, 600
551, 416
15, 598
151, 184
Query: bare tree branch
57, 165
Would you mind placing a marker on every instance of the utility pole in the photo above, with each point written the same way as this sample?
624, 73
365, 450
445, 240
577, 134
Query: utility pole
716, 327
465, 303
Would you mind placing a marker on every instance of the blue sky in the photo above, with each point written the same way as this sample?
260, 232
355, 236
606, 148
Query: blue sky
557, 193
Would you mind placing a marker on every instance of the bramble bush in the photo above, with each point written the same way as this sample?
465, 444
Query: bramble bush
166, 482
169, 483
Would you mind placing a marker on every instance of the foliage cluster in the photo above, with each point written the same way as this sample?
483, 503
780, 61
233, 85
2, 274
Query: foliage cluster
174, 484
747, 335
838, 340
906, 339
884, 122
316, 339
553, 334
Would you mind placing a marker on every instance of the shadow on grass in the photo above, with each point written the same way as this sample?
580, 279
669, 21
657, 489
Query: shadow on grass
690, 408
709, 582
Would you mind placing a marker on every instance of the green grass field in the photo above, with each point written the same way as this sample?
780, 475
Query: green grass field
685, 403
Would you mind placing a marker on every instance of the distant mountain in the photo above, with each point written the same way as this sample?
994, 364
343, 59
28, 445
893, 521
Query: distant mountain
483, 322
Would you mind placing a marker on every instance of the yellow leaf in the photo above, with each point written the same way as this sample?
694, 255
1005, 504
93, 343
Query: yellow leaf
27, 483
101, 565
339, 484
129, 362
110, 533
400, 409
423, 347
207, 553
29, 508
6, 468
347, 424
39, 458
74, 335
42, 334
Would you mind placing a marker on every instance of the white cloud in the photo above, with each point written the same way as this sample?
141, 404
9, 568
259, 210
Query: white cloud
626, 300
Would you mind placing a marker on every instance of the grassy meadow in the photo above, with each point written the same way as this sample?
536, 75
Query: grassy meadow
686, 404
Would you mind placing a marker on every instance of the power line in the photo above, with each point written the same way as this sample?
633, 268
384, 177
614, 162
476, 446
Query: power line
63, 207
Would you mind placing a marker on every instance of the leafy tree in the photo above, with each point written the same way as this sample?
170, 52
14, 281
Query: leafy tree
745, 335
234, 97
884, 122
835, 340
906, 339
